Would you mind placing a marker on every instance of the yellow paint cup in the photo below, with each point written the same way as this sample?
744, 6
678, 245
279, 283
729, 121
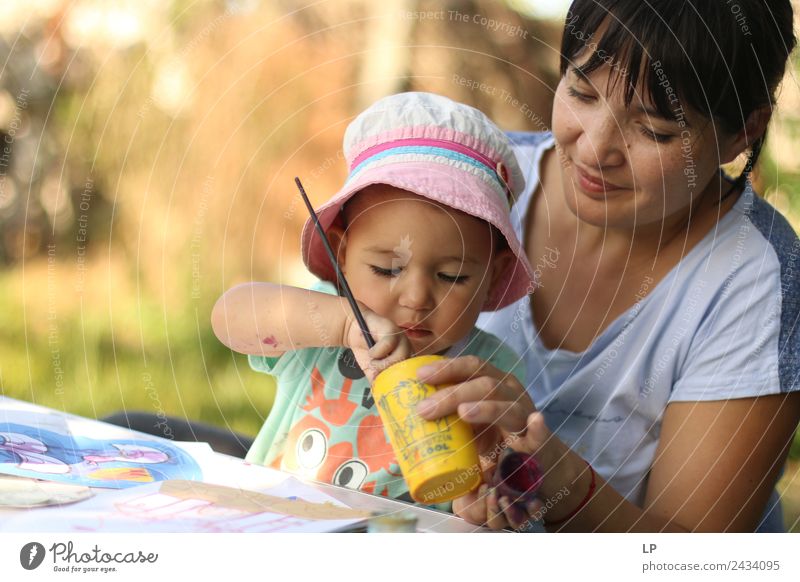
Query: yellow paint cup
438, 458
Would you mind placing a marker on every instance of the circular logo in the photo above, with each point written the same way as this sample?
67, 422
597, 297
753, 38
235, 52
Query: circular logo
31, 555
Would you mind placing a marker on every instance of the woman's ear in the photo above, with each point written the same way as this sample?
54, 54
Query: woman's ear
338, 239
753, 129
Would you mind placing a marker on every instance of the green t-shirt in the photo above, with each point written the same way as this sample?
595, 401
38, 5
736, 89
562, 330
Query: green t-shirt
324, 424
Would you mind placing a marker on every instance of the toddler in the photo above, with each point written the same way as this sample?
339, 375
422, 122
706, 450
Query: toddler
422, 233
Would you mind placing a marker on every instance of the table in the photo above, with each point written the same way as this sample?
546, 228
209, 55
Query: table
34, 434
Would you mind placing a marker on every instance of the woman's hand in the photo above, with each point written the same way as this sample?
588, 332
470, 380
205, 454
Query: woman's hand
497, 406
485, 506
492, 401
391, 344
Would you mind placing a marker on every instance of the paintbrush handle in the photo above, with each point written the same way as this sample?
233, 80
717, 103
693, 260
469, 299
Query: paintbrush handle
339, 275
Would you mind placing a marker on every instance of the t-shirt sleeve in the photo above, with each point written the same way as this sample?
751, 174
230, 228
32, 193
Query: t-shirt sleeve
275, 365
734, 351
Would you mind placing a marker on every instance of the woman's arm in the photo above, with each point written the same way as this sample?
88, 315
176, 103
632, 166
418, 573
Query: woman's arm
717, 462
714, 469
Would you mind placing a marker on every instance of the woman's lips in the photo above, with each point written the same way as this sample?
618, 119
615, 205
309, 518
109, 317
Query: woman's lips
592, 185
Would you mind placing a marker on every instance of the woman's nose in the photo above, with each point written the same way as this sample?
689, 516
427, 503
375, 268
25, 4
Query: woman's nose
601, 145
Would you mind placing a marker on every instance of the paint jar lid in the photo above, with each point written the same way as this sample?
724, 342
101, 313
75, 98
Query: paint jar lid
403, 521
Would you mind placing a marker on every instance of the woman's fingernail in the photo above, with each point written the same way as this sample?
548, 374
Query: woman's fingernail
425, 407
482, 490
468, 410
425, 371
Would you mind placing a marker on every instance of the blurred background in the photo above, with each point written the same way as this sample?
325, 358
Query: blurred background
148, 155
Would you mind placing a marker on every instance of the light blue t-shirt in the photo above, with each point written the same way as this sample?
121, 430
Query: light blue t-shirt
722, 324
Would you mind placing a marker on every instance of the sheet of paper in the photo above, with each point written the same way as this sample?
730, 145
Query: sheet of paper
22, 492
188, 506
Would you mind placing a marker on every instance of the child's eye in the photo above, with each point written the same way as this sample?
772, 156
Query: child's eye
381, 272
457, 279
656, 137
572, 92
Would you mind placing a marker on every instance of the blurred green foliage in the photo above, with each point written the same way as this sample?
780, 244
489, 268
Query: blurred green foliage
93, 362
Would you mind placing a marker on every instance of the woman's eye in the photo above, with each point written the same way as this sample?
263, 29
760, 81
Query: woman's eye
457, 279
381, 272
656, 137
579, 96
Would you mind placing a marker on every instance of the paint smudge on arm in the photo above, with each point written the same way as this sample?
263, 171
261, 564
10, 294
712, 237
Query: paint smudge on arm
270, 341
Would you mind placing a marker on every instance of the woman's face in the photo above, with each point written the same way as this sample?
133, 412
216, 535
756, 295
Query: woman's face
629, 168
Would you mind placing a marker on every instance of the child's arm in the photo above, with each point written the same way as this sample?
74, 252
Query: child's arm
266, 319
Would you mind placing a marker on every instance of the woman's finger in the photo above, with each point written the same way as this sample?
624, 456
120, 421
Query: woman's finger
510, 417
517, 516
457, 370
536, 435
495, 518
472, 506
447, 400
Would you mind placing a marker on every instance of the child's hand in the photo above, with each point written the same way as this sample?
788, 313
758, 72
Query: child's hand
391, 344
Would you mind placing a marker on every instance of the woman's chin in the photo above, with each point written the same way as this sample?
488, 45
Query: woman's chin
601, 213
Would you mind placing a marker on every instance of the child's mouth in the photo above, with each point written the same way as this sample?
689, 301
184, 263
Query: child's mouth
416, 332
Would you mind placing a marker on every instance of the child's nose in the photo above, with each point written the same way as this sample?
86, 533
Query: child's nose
415, 291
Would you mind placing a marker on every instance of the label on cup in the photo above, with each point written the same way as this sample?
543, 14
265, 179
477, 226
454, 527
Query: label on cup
419, 440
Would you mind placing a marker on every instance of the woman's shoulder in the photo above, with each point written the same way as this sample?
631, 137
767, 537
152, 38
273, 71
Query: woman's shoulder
776, 232
752, 235
745, 278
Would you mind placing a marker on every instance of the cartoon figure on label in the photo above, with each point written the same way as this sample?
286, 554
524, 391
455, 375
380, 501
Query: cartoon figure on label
411, 428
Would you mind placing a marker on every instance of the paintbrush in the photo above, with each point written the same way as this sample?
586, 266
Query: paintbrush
339, 275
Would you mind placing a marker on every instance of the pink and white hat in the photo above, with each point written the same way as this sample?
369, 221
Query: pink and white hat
440, 149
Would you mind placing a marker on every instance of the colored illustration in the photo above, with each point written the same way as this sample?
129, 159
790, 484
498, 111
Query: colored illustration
28, 451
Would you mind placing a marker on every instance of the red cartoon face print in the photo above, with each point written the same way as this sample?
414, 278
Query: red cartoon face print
363, 449
310, 454
336, 411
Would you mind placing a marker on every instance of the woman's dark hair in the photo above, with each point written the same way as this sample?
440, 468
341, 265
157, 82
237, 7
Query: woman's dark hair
722, 58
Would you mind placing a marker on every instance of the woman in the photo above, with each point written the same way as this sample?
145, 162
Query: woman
662, 341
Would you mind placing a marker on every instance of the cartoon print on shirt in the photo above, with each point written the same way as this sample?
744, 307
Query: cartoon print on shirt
310, 451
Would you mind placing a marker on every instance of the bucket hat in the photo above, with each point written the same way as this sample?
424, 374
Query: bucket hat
440, 149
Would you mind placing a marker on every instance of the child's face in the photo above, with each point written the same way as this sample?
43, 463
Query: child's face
426, 267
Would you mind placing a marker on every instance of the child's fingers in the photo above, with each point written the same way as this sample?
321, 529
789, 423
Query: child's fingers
384, 346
